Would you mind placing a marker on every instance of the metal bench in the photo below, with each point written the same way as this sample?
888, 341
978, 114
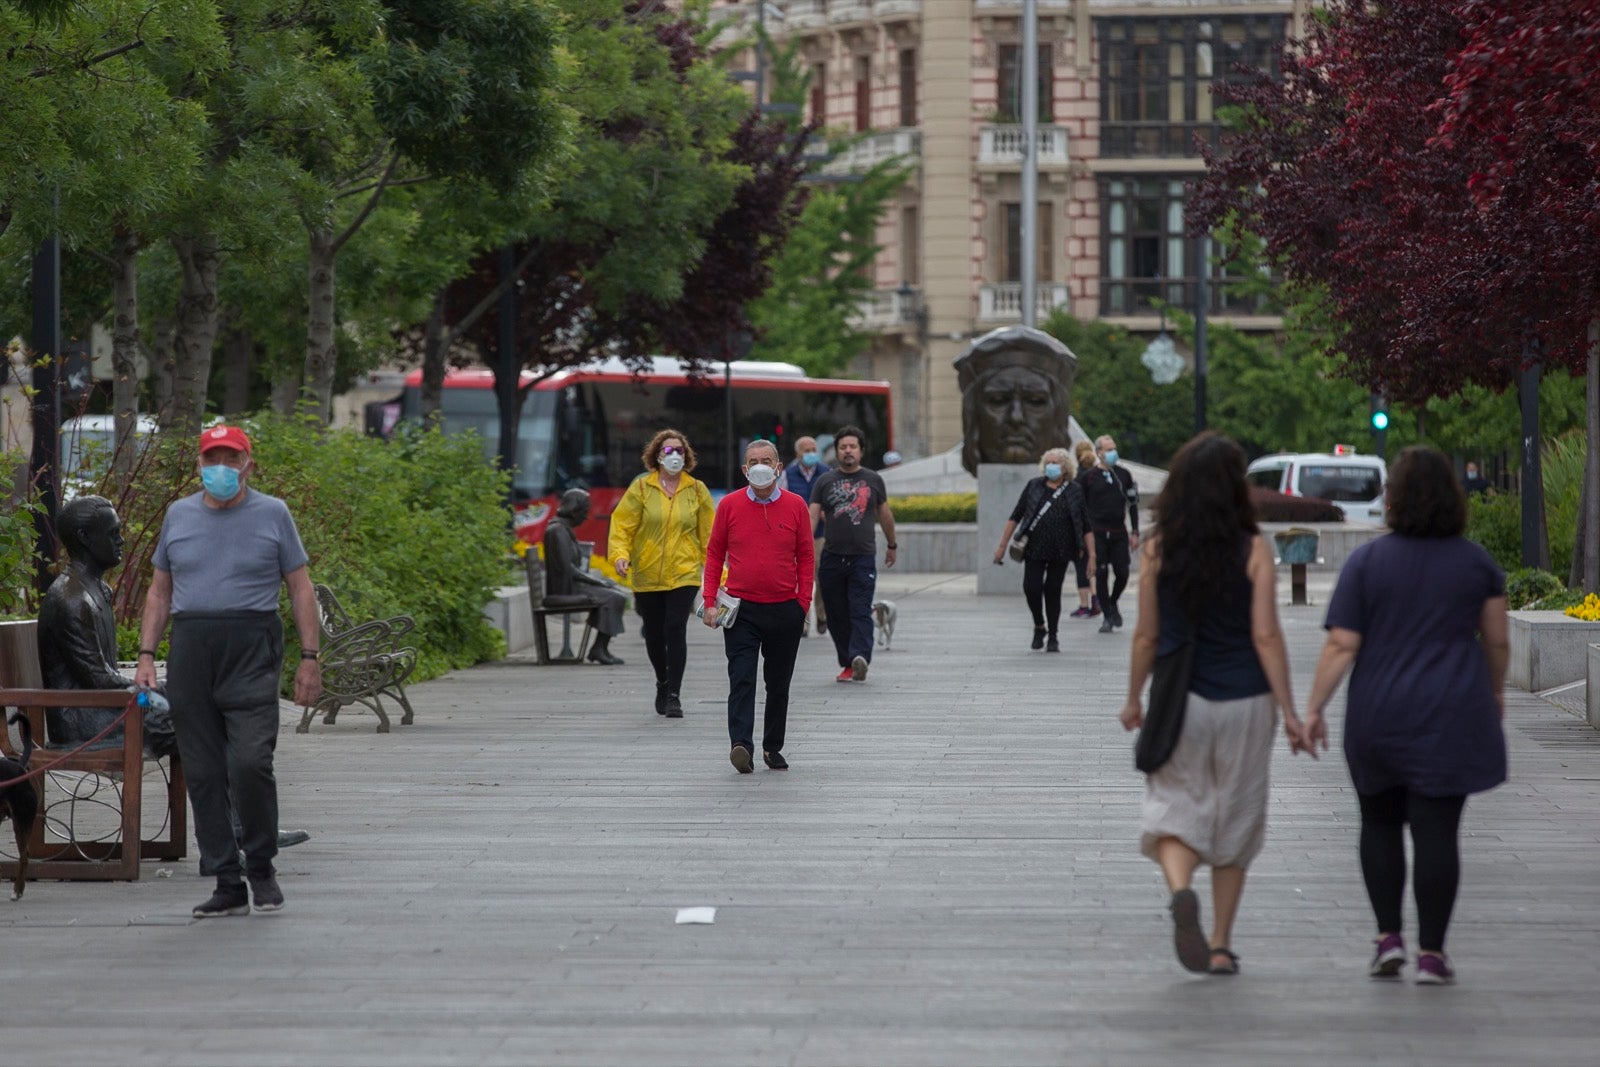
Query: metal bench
69, 851
542, 611
361, 664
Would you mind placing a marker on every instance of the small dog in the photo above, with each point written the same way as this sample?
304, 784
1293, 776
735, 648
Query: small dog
883, 614
20, 802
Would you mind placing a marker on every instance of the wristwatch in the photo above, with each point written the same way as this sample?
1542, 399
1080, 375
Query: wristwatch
890, 545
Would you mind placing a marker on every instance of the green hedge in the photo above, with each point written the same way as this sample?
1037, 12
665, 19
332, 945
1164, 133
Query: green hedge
935, 507
1530, 585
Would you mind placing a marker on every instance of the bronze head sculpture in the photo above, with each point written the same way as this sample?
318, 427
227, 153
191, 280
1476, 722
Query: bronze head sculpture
1016, 396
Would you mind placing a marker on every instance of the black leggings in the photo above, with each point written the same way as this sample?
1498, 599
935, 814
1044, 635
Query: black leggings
1041, 581
666, 618
1081, 565
1435, 822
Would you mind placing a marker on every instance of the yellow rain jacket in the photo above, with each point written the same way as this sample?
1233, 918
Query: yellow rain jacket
663, 539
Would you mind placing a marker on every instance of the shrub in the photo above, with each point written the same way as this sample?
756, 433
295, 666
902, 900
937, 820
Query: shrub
1567, 598
1494, 520
1523, 587
17, 539
935, 507
1273, 506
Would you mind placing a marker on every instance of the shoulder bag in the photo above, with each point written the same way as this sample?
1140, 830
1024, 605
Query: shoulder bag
1019, 543
1163, 716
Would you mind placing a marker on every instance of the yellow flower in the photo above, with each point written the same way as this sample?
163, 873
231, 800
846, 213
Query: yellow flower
1588, 611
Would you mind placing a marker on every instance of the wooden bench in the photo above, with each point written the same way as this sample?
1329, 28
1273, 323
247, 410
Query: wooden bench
22, 687
361, 664
534, 565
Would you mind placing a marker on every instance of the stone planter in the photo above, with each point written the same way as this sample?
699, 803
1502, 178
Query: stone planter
1549, 648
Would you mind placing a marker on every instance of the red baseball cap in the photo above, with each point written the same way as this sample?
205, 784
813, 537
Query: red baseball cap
224, 437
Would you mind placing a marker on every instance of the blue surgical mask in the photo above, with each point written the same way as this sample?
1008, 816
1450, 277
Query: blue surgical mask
1111, 457
1052, 471
810, 459
220, 480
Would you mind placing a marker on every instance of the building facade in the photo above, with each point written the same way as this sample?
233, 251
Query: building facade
1124, 92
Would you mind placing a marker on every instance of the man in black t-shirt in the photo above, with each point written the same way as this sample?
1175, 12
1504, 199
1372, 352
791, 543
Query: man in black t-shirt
846, 500
1111, 494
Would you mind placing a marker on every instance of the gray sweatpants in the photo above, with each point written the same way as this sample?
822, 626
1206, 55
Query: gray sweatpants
222, 679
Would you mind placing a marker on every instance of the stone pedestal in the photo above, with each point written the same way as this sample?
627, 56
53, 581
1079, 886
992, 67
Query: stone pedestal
1549, 648
999, 486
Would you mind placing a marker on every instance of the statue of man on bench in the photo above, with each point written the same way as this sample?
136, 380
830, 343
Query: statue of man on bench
78, 631
568, 582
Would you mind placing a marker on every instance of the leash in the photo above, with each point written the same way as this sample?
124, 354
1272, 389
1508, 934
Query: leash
133, 702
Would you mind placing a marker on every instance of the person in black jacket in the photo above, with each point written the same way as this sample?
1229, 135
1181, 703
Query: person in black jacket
1113, 504
1050, 512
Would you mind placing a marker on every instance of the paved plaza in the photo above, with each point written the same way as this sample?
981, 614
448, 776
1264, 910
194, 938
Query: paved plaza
948, 875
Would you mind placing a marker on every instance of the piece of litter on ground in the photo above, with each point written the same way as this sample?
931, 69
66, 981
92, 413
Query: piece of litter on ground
163, 872
704, 916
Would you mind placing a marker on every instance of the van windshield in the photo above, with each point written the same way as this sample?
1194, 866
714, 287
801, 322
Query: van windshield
1346, 484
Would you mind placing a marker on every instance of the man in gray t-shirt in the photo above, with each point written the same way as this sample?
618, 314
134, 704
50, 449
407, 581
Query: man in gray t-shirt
847, 501
222, 555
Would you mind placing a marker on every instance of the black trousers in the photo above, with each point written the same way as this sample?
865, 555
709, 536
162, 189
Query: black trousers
665, 621
1435, 823
770, 632
1041, 587
222, 679
848, 584
1081, 565
1111, 560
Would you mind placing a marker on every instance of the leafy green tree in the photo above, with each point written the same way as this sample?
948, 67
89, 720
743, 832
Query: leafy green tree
1113, 392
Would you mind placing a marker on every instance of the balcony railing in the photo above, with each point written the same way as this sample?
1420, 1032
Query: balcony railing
1005, 145
873, 149
886, 9
1140, 296
884, 309
1132, 140
806, 15
1016, 5
849, 10
1002, 301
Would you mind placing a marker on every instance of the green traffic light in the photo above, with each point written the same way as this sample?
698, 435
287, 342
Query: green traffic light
1380, 420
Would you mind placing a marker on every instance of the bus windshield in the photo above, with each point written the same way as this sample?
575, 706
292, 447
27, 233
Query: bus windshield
475, 410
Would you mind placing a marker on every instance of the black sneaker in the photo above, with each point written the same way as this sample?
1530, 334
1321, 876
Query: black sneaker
268, 896
1115, 614
775, 761
1038, 638
1053, 645
1106, 625
674, 707
227, 900
661, 699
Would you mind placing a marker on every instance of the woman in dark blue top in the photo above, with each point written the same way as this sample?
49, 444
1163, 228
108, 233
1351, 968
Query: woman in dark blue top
1207, 575
1422, 615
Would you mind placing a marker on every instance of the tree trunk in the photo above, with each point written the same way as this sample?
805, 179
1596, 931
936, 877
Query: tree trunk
433, 363
237, 348
286, 393
320, 354
1590, 518
163, 368
199, 260
125, 353
1535, 539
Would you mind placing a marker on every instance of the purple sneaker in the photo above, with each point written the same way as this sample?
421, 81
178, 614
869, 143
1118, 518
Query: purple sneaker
1081, 613
1434, 970
1390, 957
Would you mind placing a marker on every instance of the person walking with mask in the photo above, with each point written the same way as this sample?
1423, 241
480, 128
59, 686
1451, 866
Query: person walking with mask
799, 477
221, 557
847, 500
1088, 602
1113, 503
1049, 518
763, 536
659, 532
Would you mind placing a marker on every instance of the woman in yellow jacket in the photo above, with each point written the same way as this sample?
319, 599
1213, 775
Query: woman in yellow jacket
659, 532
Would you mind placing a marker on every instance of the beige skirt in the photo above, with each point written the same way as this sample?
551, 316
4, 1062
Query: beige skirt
1212, 794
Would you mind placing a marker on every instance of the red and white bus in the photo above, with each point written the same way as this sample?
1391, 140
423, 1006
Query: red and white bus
586, 427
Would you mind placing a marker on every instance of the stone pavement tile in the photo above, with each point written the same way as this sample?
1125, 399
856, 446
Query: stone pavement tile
949, 874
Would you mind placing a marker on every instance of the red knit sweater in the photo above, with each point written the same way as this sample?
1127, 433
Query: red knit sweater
767, 547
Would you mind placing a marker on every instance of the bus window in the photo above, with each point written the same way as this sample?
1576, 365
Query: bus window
476, 410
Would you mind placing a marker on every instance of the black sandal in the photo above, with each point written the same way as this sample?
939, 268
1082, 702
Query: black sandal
1231, 967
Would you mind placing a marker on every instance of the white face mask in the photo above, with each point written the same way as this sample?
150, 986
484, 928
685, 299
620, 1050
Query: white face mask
672, 464
760, 475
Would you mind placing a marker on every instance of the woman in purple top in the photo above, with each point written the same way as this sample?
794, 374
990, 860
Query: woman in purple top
1422, 615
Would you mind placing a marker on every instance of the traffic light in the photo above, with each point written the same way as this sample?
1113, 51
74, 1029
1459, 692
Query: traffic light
1379, 422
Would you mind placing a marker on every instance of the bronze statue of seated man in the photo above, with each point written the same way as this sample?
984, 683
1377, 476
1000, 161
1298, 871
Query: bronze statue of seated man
568, 582
78, 631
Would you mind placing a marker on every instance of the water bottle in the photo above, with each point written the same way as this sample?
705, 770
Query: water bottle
149, 698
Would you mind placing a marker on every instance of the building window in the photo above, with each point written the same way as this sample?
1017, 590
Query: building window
863, 93
908, 87
819, 94
1010, 83
910, 246
1156, 77
1011, 243
1148, 256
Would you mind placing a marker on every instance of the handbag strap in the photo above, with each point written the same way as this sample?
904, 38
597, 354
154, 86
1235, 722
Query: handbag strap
1046, 506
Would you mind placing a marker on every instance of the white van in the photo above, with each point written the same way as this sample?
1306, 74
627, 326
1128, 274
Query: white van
87, 443
1352, 482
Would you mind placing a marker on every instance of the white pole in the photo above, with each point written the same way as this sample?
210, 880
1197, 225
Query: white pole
1030, 162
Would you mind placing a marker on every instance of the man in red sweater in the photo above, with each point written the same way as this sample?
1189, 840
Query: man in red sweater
763, 534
